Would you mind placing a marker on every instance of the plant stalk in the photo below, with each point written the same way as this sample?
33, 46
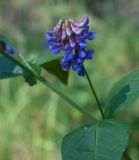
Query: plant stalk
46, 83
94, 93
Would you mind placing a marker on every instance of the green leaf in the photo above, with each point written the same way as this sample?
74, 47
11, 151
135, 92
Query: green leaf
39, 60
8, 69
122, 94
52, 65
106, 140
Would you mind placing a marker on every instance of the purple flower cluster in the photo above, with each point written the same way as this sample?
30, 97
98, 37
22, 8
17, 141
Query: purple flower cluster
5, 46
70, 36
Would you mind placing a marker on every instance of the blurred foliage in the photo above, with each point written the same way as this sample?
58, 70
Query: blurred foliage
33, 120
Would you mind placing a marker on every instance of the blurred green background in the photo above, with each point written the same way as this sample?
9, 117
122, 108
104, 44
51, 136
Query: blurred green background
33, 120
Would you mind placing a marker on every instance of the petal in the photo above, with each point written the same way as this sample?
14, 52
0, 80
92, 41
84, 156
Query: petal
63, 61
89, 54
91, 35
72, 43
68, 29
54, 49
5, 46
56, 44
83, 44
71, 21
82, 23
81, 37
57, 27
76, 30
47, 37
9, 49
82, 54
86, 29
63, 37
51, 37
81, 72
78, 59
76, 67
65, 64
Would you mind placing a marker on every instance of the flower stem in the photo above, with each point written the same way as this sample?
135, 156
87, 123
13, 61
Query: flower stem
46, 83
94, 93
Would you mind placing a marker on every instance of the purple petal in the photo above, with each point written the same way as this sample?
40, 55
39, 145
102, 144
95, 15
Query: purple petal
67, 48
68, 29
82, 23
91, 35
63, 32
89, 54
86, 29
57, 27
51, 37
71, 21
54, 49
9, 49
76, 30
56, 44
81, 37
83, 44
72, 43
82, 54
65, 64
47, 37
76, 67
79, 60
81, 72
68, 57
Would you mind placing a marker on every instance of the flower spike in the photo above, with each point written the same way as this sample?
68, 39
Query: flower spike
70, 36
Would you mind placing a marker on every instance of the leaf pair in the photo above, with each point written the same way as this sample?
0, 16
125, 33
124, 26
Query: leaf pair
9, 69
52, 64
106, 140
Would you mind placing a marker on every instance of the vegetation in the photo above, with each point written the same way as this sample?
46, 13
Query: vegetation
34, 120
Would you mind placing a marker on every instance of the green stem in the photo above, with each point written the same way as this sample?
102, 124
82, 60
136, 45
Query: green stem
61, 94
46, 83
94, 93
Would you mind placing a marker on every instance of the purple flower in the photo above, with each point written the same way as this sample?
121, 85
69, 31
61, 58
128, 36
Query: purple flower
5, 46
70, 36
